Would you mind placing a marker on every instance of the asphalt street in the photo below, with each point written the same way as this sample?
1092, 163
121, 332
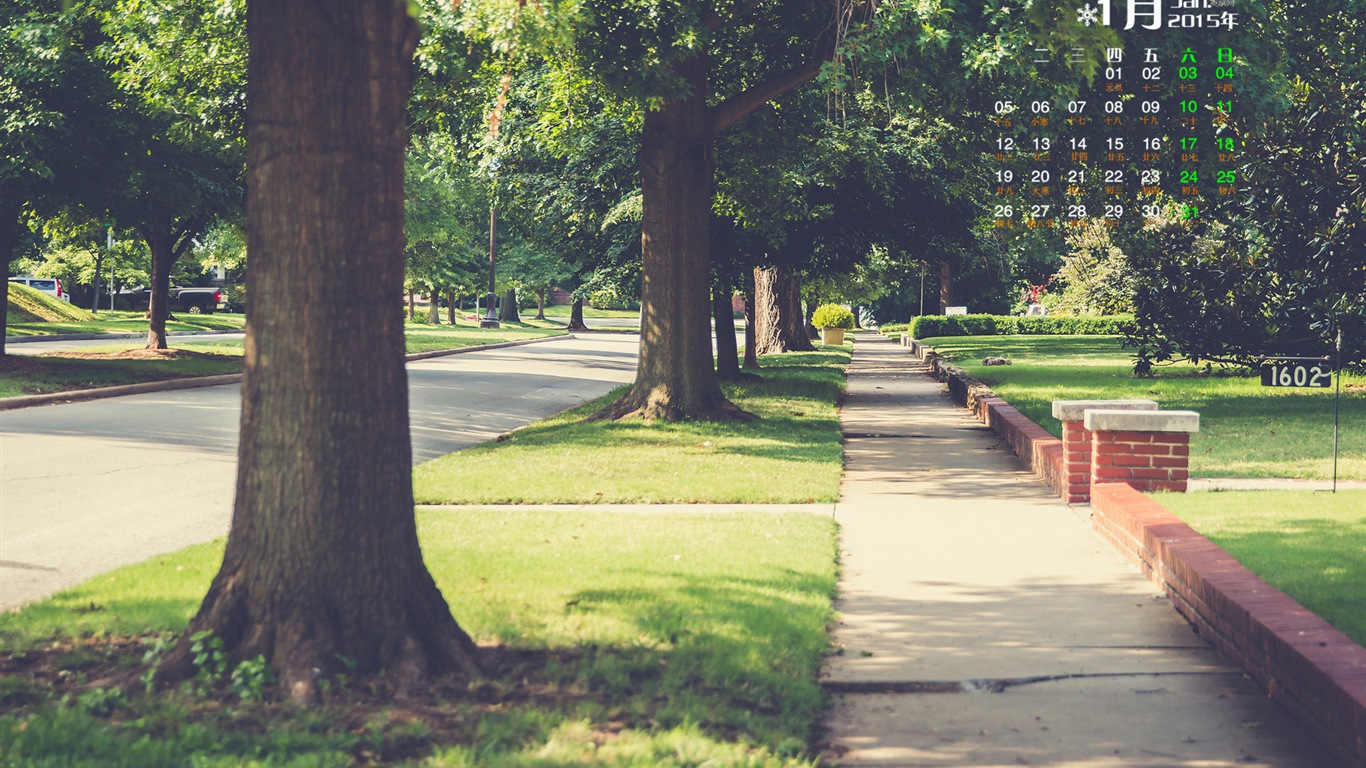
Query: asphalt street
87, 487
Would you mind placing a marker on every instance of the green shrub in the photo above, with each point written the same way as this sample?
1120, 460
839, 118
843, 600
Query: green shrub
928, 326
893, 330
832, 316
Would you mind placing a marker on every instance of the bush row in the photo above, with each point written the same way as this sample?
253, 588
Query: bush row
928, 326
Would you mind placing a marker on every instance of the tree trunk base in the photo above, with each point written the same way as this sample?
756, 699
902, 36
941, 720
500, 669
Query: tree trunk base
304, 650
652, 404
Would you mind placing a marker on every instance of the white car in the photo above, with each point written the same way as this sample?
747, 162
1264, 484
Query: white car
49, 285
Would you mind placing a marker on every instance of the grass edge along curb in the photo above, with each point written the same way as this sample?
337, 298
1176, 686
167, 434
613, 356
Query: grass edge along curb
571, 459
194, 382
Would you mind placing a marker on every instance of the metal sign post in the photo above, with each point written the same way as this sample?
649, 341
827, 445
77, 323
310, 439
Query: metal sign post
1316, 372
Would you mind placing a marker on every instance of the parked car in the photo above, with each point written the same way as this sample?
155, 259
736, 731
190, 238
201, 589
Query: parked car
49, 285
195, 301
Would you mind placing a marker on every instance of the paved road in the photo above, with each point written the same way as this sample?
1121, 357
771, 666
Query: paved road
86, 487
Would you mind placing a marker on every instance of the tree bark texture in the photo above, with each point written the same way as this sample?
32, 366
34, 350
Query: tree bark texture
675, 378
167, 246
10, 232
508, 313
576, 316
723, 316
322, 568
433, 306
751, 338
450, 307
945, 286
780, 325
412, 304
540, 304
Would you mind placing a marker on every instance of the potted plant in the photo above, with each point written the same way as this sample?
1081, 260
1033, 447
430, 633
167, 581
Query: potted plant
833, 320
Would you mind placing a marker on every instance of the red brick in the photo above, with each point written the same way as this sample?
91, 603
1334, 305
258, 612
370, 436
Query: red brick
1179, 474
1171, 461
1126, 460
1172, 438
1146, 473
1155, 449
1181, 450
1107, 460
1131, 437
1110, 473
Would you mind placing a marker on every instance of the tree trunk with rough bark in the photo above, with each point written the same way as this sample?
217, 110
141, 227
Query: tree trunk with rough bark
508, 312
576, 316
723, 316
675, 377
780, 324
433, 306
945, 286
167, 246
540, 304
10, 232
322, 572
450, 307
812, 301
751, 337
412, 304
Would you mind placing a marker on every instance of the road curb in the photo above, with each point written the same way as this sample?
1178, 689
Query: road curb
193, 382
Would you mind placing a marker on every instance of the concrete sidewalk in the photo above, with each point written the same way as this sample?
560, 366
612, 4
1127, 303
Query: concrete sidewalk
982, 622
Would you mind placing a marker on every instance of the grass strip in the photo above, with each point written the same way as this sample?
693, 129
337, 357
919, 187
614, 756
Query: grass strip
111, 365
128, 322
1311, 546
1246, 430
791, 454
662, 640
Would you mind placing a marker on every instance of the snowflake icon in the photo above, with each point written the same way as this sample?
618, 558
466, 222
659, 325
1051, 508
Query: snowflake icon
1087, 15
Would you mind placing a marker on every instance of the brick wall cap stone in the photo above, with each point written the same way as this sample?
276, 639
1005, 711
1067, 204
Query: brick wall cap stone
1074, 410
1111, 420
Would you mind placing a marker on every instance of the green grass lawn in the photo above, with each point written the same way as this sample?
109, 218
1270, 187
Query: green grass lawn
421, 337
1312, 546
561, 311
792, 454
1246, 430
130, 322
659, 640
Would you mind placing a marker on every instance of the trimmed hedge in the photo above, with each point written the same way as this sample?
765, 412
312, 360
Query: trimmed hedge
893, 330
927, 326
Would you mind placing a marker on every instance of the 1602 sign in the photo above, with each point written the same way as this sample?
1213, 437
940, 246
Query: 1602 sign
1284, 373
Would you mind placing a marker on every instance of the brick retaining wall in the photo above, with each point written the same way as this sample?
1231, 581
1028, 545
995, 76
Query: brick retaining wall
1312, 670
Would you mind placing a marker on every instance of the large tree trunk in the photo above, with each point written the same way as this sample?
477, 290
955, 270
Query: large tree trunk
433, 306
751, 337
10, 233
412, 303
945, 287
723, 316
540, 304
576, 316
780, 324
158, 238
322, 567
508, 312
450, 307
675, 379
812, 301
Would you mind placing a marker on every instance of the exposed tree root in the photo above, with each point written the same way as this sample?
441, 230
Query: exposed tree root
411, 642
655, 403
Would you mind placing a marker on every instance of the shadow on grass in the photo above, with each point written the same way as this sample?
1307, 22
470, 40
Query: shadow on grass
1316, 561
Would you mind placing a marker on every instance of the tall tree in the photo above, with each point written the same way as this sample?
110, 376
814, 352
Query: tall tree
323, 563
180, 68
